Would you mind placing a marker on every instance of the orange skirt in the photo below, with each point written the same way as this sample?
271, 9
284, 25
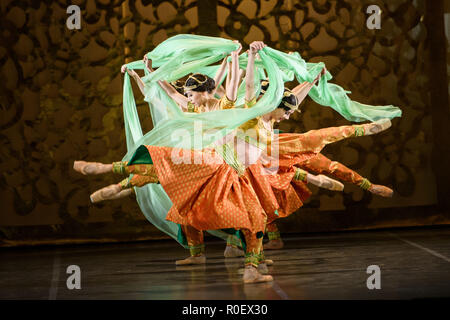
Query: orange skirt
209, 195
290, 194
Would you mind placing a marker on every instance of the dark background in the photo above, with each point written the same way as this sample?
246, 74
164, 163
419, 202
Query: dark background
61, 97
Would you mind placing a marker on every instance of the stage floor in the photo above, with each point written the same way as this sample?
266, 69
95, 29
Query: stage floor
414, 263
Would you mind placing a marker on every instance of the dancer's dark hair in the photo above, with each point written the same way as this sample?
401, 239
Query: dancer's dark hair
200, 83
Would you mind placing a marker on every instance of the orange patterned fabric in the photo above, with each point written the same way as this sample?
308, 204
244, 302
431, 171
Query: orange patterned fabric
208, 195
290, 194
272, 227
303, 150
321, 164
137, 180
312, 141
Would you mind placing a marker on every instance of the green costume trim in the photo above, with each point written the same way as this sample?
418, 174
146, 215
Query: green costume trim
125, 183
234, 241
300, 175
141, 156
229, 155
181, 237
262, 257
241, 236
359, 130
252, 259
119, 167
275, 235
197, 250
365, 184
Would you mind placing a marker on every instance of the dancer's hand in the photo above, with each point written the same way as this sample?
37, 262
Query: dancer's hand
322, 73
123, 68
255, 46
132, 73
147, 63
238, 49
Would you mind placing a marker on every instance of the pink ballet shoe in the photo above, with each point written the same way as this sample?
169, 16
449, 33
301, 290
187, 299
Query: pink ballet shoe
381, 190
251, 275
232, 252
330, 184
377, 126
262, 268
274, 245
191, 260
107, 193
87, 168
268, 262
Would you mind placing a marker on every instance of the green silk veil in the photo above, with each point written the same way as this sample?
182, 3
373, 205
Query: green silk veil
184, 54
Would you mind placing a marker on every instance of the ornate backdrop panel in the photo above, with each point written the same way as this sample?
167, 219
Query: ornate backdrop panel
62, 90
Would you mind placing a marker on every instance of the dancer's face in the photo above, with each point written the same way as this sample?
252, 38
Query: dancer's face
280, 114
195, 97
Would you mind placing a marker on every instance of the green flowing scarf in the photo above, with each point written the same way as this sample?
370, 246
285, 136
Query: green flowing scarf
185, 54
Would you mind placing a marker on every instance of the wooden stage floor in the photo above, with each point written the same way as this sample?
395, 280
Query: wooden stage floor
414, 263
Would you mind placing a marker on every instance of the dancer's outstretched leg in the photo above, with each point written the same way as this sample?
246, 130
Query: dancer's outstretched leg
316, 140
140, 175
322, 164
196, 247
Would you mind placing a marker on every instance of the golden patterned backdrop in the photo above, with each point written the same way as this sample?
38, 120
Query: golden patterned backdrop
61, 101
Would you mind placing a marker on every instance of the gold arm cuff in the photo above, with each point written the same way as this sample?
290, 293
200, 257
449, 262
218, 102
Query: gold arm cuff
225, 103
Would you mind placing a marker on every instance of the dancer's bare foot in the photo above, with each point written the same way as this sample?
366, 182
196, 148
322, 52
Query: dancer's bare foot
251, 275
108, 193
274, 245
377, 126
381, 190
232, 252
91, 167
192, 260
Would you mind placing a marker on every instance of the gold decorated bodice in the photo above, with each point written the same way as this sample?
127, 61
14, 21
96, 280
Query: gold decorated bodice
213, 104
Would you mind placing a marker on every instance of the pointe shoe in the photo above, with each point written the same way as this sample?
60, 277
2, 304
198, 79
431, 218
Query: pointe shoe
274, 245
377, 126
88, 167
191, 260
381, 190
330, 184
122, 194
268, 262
251, 275
262, 268
107, 193
232, 252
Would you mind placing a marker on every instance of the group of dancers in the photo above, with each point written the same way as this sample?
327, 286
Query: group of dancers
251, 175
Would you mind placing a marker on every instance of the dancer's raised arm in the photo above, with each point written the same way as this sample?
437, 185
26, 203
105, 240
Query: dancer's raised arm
250, 72
135, 76
219, 74
180, 99
233, 83
302, 90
